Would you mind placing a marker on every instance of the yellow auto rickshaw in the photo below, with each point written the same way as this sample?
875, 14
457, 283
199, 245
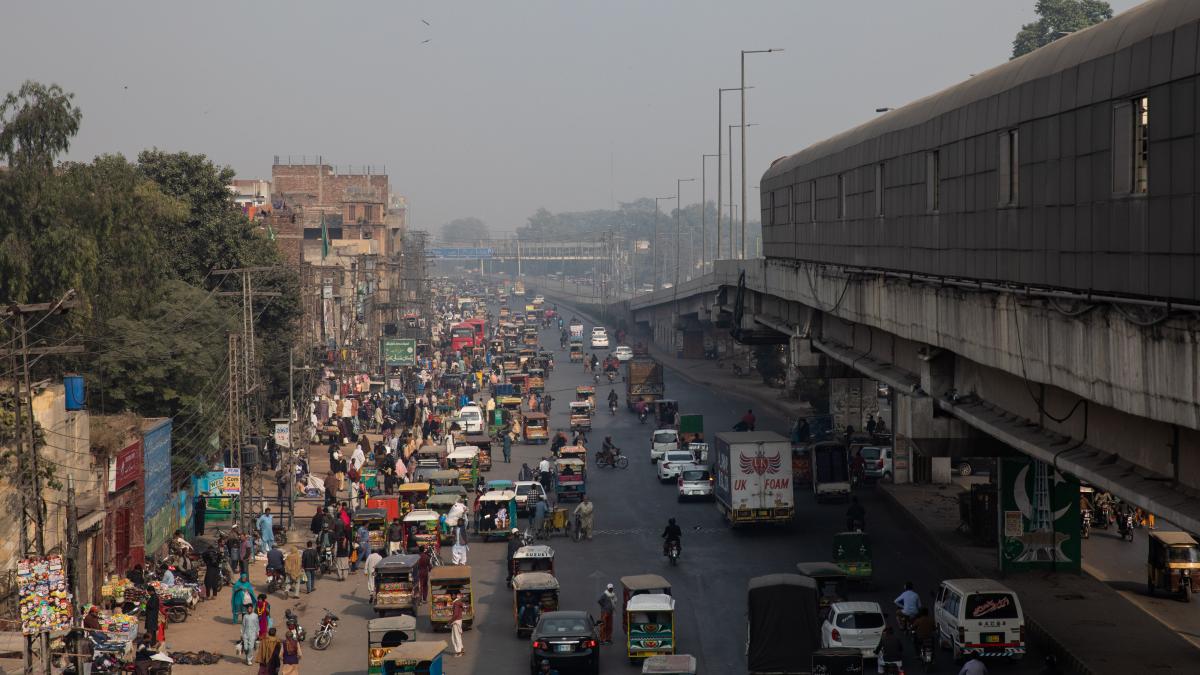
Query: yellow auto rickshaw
1172, 564
537, 427
412, 496
537, 380
586, 393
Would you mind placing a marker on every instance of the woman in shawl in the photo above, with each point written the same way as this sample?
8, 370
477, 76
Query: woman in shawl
242, 600
267, 656
263, 609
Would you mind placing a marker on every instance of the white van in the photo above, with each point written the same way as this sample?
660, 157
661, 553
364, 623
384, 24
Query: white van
979, 617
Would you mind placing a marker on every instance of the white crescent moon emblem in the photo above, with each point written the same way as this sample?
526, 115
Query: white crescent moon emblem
1021, 495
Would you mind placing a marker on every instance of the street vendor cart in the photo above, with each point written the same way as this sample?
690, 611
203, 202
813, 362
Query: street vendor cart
376, 521
421, 528
465, 460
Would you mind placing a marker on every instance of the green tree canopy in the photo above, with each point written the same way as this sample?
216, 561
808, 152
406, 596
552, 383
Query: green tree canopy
1057, 18
464, 230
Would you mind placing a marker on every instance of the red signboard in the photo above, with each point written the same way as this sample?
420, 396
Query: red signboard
129, 465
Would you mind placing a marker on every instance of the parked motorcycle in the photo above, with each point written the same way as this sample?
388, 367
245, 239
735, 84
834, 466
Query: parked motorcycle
1086, 527
325, 631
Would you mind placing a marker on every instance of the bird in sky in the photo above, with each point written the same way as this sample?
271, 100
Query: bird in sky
424, 22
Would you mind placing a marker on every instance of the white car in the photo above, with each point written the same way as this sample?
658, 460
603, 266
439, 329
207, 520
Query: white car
623, 352
599, 338
539, 299
853, 625
529, 493
695, 481
661, 441
672, 462
470, 418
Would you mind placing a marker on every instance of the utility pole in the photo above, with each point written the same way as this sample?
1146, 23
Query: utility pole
73, 565
234, 431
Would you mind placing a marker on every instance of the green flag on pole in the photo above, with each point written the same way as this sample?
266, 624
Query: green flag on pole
324, 239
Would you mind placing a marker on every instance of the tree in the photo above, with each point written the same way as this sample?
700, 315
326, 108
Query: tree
37, 124
465, 230
1057, 18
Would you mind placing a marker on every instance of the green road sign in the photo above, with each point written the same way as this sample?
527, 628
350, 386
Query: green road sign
398, 351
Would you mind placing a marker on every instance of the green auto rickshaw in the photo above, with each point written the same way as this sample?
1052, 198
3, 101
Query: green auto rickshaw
852, 553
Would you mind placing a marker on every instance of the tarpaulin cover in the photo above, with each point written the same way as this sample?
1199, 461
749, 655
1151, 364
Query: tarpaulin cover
782, 611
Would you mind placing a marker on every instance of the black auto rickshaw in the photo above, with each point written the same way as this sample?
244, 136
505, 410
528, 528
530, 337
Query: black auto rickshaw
852, 553
830, 580
534, 593
395, 584
385, 635
1173, 561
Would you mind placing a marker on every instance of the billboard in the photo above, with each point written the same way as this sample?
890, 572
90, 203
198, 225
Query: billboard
460, 253
1039, 517
128, 465
157, 444
398, 351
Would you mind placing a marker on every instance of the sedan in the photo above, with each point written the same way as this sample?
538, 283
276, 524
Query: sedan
854, 625
672, 462
623, 352
568, 640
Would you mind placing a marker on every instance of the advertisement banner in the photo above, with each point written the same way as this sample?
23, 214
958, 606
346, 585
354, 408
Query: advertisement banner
233, 482
44, 596
157, 463
642, 245
460, 253
159, 526
283, 436
129, 465
398, 351
1039, 511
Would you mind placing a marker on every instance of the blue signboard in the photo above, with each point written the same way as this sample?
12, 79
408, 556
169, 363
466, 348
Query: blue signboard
157, 444
460, 253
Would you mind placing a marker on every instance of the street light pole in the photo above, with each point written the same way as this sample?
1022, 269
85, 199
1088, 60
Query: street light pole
678, 213
654, 260
744, 53
720, 140
704, 208
732, 219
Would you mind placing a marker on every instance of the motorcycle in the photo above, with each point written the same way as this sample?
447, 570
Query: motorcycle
1125, 526
612, 376
325, 631
275, 580
293, 625
925, 649
612, 407
673, 552
326, 563
1086, 527
615, 460
642, 417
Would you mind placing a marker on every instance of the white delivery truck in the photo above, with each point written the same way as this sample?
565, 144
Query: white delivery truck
753, 471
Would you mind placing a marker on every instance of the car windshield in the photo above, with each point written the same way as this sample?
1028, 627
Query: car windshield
991, 606
524, 489
664, 437
860, 620
695, 475
679, 456
558, 626
870, 454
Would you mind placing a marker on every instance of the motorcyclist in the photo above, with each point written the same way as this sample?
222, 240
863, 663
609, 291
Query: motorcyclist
609, 450
612, 398
923, 628
275, 562
909, 602
672, 533
856, 516
890, 649
641, 409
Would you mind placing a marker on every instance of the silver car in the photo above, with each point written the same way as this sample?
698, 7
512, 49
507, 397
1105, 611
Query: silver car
694, 482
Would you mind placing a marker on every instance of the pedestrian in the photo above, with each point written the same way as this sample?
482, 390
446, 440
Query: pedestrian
537, 517
395, 537
290, 656
266, 530
212, 571
363, 547
153, 607
242, 601
342, 556
458, 552
249, 624
199, 510
263, 609
507, 445
294, 568
514, 544
369, 568
424, 563
608, 600
318, 522
583, 514
456, 624
310, 562
267, 656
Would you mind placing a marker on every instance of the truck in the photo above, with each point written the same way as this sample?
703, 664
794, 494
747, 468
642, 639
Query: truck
753, 472
830, 471
643, 381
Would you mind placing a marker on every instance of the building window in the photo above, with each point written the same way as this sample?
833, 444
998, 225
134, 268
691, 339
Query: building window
1008, 168
812, 201
1131, 146
933, 188
879, 189
841, 196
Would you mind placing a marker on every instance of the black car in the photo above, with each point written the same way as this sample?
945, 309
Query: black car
568, 640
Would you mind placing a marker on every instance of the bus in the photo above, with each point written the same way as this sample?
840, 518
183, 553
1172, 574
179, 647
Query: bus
462, 336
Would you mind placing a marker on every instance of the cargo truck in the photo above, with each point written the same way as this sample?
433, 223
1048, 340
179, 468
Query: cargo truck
830, 471
643, 381
753, 471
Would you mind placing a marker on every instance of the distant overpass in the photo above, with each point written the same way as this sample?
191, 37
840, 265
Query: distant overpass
513, 250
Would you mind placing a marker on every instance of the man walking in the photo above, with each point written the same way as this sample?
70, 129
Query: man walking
310, 560
608, 600
456, 625
506, 439
583, 513
266, 530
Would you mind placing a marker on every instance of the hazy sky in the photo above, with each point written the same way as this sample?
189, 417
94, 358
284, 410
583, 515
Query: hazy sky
510, 105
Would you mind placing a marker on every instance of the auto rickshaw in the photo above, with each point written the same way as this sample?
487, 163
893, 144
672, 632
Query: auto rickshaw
641, 584
510, 403
533, 558
1172, 564
651, 621
531, 338
536, 427
465, 460
429, 457
510, 363
496, 345
537, 380
669, 664
441, 505
519, 382
395, 584
440, 478
421, 528
413, 496
576, 353
586, 393
664, 410
504, 311
575, 451
581, 416
376, 521
830, 579
569, 479
534, 593
852, 553
443, 581
423, 657
497, 514
389, 503
485, 449
385, 635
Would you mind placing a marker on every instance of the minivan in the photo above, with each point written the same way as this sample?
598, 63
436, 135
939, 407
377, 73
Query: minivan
979, 617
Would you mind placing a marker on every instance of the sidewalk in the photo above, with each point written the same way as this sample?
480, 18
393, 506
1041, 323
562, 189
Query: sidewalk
1089, 624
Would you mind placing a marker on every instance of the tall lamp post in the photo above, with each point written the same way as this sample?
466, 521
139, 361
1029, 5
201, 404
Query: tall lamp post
704, 209
657, 281
732, 220
678, 213
744, 53
720, 140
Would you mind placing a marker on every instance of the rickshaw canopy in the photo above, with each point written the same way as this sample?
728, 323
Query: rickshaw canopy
450, 573
415, 488
580, 405
500, 484
650, 602
369, 515
378, 628
455, 490
443, 500
669, 664
820, 570
416, 651
400, 562
463, 453
534, 552
535, 581
421, 516
646, 582
573, 451
574, 462
448, 475
1173, 538
498, 496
